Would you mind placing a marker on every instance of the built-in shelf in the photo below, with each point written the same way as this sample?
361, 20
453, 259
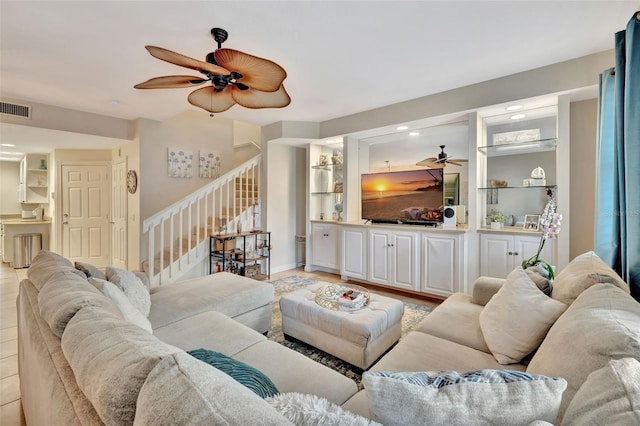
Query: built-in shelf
328, 167
519, 147
520, 187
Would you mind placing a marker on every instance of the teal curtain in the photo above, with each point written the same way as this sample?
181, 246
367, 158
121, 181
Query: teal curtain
617, 233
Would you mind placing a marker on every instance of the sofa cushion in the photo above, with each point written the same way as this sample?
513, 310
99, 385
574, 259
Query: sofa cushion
423, 352
455, 398
456, 309
64, 295
111, 360
181, 390
254, 379
117, 296
45, 264
132, 287
580, 274
224, 292
610, 395
601, 324
291, 371
211, 330
517, 318
304, 409
89, 270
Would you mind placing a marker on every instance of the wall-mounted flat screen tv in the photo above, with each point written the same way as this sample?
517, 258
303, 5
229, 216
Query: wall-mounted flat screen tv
411, 196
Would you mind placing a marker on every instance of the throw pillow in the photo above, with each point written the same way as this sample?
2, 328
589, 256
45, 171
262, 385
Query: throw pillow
515, 320
580, 274
453, 398
132, 287
90, 270
610, 395
540, 281
129, 312
304, 409
245, 374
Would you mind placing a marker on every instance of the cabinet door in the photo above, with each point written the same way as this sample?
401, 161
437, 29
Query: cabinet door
404, 257
440, 264
496, 255
324, 245
380, 254
527, 246
354, 249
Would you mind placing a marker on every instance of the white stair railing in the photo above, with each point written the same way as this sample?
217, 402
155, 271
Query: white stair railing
177, 238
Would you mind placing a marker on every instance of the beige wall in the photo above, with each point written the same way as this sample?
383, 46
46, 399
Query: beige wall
9, 181
192, 131
584, 117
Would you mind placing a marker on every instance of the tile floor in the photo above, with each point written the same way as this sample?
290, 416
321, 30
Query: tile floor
10, 409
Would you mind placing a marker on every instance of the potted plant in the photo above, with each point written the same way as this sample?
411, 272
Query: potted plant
497, 219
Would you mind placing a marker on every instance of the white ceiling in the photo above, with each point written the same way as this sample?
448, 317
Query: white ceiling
342, 57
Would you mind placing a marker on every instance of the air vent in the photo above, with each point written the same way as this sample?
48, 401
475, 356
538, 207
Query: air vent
15, 110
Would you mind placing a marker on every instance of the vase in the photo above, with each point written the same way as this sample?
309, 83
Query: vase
43, 165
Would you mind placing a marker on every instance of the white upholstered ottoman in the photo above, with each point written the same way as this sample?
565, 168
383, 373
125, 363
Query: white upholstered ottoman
358, 337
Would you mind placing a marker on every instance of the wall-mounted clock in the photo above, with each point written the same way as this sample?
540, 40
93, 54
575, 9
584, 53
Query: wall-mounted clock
132, 181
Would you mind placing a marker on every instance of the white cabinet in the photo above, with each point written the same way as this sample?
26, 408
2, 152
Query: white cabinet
325, 245
354, 253
393, 258
441, 263
34, 179
501, 253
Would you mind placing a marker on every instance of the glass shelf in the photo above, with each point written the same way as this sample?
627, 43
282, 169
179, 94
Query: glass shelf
520, 187
519, 147
328, 167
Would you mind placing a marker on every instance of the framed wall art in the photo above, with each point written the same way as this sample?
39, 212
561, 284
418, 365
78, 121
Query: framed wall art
179, 163
209, 164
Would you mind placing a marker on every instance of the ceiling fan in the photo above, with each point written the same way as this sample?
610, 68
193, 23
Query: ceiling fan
441, 161
234, 76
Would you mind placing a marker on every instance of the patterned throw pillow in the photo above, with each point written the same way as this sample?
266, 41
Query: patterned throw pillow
454, 398
245, 374
90, 270
133, 288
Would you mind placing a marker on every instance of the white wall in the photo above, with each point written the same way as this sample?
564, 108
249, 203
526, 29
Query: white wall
282, 187
9, 181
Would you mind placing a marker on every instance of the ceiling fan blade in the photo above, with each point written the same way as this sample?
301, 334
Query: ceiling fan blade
185, 61
252, 98
257, 73
455, 163
427, 161
170, 82
208, 99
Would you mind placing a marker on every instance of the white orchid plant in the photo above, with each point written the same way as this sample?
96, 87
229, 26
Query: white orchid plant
550, 227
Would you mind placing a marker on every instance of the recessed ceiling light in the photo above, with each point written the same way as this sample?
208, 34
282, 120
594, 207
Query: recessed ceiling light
7, 144
329, 141
401, 128
517, 116
514, 107
115, 102
414, 133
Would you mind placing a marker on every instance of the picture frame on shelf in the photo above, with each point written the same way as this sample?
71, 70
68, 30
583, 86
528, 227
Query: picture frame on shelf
337, 187
531, 222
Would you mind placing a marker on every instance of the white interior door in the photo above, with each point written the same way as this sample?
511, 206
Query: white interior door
85, 213
119, 215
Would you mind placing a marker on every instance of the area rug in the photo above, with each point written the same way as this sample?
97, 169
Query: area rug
413, 314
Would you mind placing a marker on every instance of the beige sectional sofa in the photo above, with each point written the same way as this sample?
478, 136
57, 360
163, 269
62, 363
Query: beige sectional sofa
600, 323
82, 363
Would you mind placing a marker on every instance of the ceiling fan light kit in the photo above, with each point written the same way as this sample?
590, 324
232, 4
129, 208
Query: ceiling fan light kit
235, 78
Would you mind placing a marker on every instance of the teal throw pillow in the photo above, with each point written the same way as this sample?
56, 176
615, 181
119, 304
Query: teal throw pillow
243, 373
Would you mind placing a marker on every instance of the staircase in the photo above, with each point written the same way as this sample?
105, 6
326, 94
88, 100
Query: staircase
178, 236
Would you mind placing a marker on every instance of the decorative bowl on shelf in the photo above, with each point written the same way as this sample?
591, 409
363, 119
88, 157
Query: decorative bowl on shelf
497, 183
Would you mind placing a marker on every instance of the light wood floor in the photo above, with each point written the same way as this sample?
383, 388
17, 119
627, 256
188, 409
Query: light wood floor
10, 409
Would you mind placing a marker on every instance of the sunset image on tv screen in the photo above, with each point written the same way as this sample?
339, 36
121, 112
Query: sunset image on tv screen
412, 195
